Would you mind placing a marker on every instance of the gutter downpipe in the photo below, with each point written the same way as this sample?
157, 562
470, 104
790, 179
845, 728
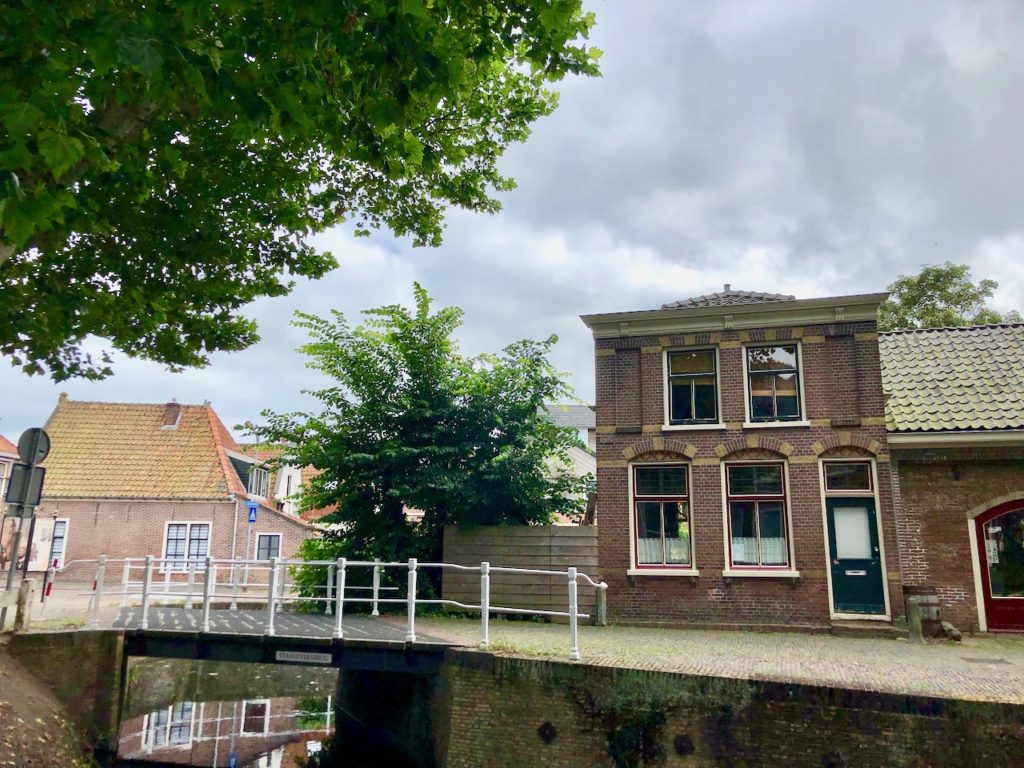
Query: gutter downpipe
234, 529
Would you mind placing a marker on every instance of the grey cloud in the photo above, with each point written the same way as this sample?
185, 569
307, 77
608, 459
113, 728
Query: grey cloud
800, 147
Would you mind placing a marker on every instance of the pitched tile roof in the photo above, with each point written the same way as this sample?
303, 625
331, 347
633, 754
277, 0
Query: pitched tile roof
954, 378
727, 298
7, 447
126, 450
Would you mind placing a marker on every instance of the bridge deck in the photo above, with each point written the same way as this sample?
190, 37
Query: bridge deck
242, 622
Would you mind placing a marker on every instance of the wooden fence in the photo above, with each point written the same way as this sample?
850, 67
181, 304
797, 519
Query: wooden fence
548, 547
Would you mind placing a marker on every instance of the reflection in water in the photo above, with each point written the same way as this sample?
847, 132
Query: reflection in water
200, 713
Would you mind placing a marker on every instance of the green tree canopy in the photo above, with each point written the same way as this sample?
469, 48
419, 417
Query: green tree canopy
940, 297
408, 422
162, 163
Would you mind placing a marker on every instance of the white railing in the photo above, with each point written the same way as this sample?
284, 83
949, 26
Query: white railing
208, 580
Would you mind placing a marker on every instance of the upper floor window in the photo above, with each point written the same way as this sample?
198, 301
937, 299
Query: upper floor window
662, 515
259, 482
773, 383
693, 387
756, 497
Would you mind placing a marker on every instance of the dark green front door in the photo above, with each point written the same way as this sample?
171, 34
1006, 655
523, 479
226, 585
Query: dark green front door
854, 556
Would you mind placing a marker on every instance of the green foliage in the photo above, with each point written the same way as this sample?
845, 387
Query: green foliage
408, 422
940, 297
161, 164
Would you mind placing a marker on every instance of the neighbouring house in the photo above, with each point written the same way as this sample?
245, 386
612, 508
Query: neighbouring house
169, 480
743, 468
271, 731
8, 455
955, 406
578, 417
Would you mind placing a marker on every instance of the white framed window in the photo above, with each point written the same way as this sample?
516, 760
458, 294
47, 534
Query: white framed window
758, 528
848, 476
5, 471
773, 384
692, 388
170, 727
259, 482
184, 541
255, 717
58, 544
268, 545
660, 520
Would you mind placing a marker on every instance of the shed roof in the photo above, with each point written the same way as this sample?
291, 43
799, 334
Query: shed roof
572, 415
954, 379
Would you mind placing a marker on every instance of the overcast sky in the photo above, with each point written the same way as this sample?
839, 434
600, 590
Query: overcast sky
790, 146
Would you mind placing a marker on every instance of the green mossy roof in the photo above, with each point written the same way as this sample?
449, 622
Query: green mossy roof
942, 379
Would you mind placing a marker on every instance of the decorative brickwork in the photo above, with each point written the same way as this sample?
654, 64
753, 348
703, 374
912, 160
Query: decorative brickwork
841, 377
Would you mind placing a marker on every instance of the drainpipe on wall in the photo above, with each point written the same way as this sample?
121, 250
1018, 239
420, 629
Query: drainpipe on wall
234, 528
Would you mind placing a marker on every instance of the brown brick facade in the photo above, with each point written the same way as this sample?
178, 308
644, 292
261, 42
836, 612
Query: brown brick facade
941, 489
843, 403
120, 529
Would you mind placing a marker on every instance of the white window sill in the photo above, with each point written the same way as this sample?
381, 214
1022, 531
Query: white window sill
774, 424
765, 573
691, 427
663, 572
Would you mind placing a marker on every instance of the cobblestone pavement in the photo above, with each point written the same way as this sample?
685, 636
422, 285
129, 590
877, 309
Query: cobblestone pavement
983, 668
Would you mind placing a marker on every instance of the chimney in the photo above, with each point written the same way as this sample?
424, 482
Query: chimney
62, 398
172, 416
728, 287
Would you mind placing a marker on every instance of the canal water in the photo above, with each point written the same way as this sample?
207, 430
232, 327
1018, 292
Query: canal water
207, 713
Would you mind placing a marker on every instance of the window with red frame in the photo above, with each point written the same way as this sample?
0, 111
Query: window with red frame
756, 497
662, 515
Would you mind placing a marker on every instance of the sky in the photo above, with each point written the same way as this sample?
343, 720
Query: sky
785, 146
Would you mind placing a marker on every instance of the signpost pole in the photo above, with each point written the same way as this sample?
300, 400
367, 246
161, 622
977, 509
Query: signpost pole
33, 447
28, 547
251, 507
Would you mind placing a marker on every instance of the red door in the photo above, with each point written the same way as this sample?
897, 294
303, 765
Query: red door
1001, 554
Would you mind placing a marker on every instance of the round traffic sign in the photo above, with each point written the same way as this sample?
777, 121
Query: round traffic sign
33, 445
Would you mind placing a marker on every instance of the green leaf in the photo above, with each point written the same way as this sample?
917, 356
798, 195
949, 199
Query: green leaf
141, 55
60, 151
20, 118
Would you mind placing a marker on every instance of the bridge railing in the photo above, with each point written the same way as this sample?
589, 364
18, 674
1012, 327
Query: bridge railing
204, 582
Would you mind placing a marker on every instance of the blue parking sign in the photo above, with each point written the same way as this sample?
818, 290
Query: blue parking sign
252, 505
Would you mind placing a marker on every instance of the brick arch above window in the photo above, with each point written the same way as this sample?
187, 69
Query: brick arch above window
1005, 498
659, 444
846, 452
846, 440
659, 457
728, 449
754, 454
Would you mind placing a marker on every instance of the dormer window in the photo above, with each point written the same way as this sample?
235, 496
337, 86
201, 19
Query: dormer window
259, 482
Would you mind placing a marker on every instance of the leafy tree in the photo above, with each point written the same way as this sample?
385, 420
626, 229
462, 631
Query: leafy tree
409, 423
162, 163
940, 297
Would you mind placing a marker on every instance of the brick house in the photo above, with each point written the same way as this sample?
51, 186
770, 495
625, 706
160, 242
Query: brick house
8, 455
169, 480
955, 405
743, 470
